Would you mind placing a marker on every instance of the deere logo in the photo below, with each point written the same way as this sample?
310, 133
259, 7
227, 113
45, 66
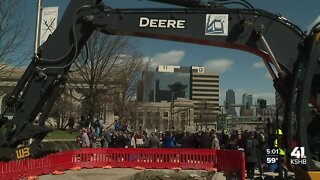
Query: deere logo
23, 152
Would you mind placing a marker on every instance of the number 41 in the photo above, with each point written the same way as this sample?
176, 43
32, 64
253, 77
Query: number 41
298, 152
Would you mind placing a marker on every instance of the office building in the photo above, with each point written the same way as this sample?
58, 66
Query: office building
205, 94
247, 100
230, 100
261, 106
165, 86
171, 82
157, 116
245, 109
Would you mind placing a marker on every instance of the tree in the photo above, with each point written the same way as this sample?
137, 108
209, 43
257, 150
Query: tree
131, 70
12, 31
99, 70
63, 108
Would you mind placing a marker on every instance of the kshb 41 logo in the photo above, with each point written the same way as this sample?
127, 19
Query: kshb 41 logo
298, 156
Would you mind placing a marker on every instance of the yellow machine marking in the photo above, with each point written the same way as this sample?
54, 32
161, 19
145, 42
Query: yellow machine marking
318, 36
314, 175
23, 152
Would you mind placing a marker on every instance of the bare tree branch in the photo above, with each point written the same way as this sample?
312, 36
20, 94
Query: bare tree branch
12, 31
105, 59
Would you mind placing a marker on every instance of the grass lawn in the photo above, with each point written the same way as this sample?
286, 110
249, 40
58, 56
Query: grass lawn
62, 134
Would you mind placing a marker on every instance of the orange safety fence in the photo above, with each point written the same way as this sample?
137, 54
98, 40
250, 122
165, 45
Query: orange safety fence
227, 161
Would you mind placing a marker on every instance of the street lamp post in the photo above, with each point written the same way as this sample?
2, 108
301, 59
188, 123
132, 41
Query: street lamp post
36, 37
37, 29
172, 111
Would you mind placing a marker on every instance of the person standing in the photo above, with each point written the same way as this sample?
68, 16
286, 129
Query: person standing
113, 142
224, 139
116, 125
251, 157
139, 139
261, 151
71, 124
185, 140
92, 138
106, 135
85, 139
154, 141
206, 140
133, 140
279, 144
122, 140
215, 142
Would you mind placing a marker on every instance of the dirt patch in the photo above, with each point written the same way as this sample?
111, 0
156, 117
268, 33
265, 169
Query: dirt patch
171, 175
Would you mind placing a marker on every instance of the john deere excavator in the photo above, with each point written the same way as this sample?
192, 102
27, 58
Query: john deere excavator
291, 56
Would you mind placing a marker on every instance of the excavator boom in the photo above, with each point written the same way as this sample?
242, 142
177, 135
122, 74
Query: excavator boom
291, 57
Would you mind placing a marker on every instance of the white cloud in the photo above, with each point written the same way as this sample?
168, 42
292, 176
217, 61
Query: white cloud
313, 23
259, 64
218, 66
168, 58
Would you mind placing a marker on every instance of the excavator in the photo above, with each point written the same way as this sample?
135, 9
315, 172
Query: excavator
291, 56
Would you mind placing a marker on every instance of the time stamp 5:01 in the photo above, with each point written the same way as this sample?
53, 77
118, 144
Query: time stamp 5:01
272, 155
297, 156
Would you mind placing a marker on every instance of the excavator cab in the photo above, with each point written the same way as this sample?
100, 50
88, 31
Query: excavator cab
302, 120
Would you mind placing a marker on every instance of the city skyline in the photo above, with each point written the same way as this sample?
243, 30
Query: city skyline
252, 101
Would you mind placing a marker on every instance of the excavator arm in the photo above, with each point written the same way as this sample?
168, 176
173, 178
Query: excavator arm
43, 80
283, 47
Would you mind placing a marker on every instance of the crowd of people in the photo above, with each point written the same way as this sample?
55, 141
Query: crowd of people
254, 144
126, 139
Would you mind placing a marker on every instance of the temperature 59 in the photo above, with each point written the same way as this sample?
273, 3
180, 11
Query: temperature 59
271, 160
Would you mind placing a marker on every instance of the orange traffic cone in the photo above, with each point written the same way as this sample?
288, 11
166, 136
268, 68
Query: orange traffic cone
107, 167
176, 168
32, 177
75, 168
57, 172
211, 169
140, 167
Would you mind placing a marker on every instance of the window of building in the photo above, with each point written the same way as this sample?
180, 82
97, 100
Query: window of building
183, 115
166, 114
165, 125
149, 124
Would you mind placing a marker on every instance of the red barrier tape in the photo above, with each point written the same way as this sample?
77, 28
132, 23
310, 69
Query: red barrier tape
229, 162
